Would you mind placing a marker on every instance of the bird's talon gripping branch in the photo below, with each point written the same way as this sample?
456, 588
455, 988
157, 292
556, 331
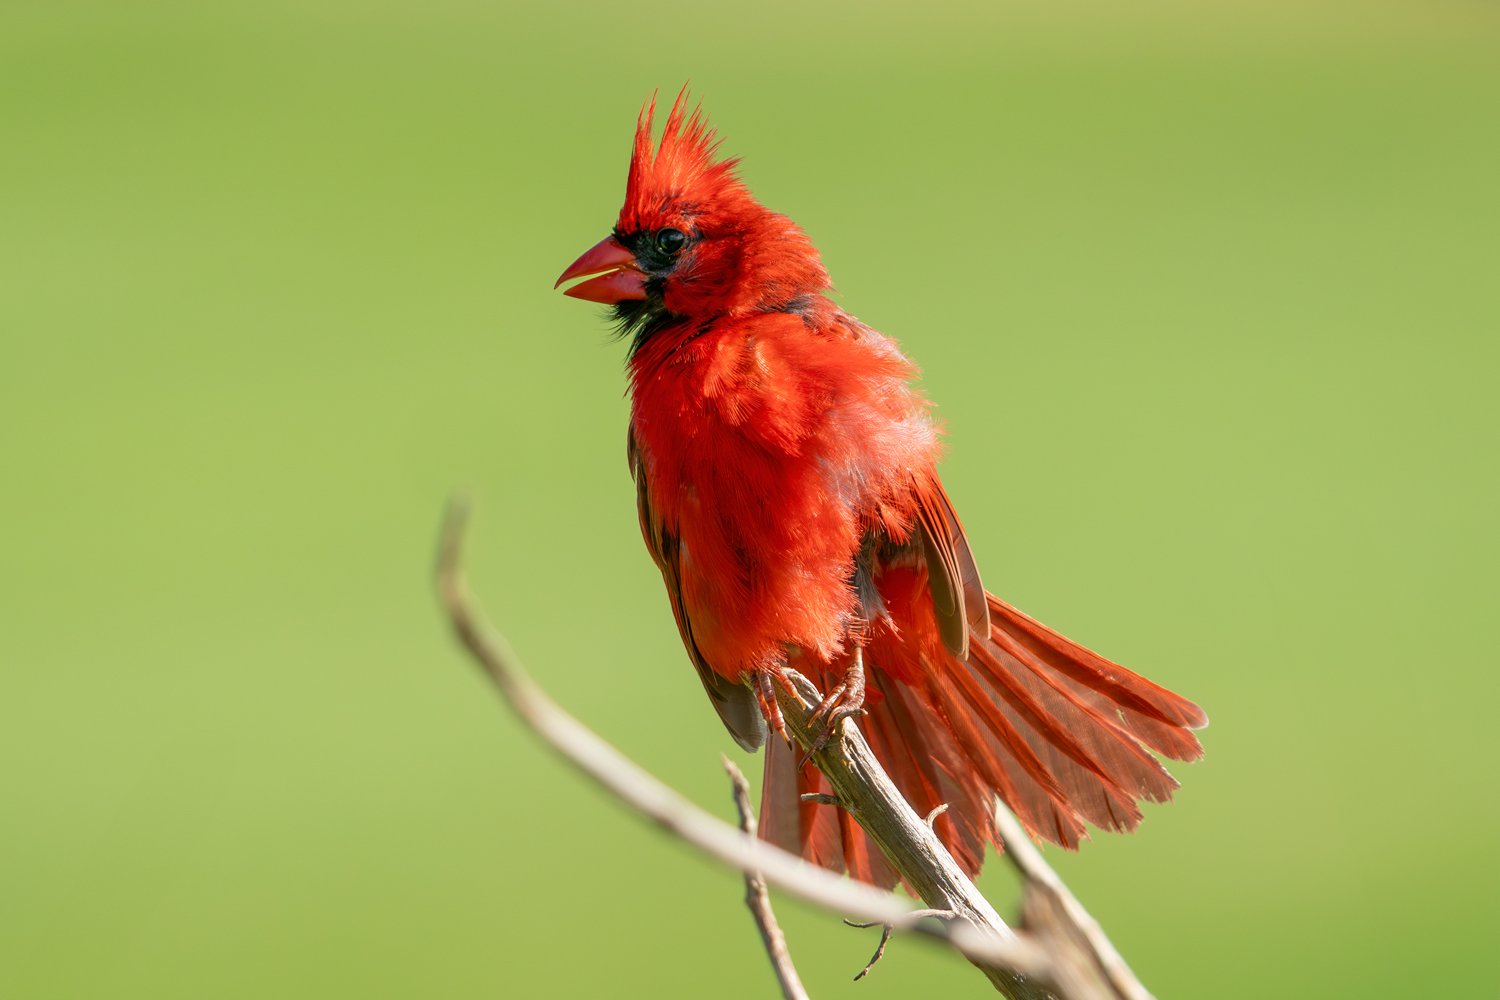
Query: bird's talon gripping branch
783, 676
846, 701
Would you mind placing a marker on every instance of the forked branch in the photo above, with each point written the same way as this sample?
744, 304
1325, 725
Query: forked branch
758, 898
1061, 954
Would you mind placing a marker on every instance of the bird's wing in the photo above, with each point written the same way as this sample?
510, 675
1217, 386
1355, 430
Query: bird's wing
735, 703
958, 596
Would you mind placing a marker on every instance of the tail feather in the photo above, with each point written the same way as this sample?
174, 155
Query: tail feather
1088, 768
1171, 741
1090, 736
1005, 759
927, 766
780, 817
1057, 732
823, 837
810, 829
1130, 693
862, 859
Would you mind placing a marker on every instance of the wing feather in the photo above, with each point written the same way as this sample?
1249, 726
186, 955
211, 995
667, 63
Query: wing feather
735, 703
958, 596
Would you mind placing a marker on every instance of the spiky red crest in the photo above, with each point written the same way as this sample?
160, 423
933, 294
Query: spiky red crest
681, 174
740, 255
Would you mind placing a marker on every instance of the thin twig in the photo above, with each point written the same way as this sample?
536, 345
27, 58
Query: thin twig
647, 795
822, 798
1092, 966
886, 930
758, 898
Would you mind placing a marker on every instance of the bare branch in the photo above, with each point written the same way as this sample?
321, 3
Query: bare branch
644, 793
1086, 963
822, 798
758, 899
886, 930
1062, 953
868, 794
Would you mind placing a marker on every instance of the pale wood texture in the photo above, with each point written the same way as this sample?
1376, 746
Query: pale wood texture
1060, 954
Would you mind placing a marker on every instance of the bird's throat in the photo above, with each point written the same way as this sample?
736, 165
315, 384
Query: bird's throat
640, 320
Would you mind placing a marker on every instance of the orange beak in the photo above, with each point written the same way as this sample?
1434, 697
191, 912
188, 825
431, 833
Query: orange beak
620, 282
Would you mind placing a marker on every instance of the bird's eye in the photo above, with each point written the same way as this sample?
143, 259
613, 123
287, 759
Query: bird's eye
670, 241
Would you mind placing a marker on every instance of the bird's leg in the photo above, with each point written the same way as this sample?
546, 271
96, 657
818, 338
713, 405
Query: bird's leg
765, 693
844, 701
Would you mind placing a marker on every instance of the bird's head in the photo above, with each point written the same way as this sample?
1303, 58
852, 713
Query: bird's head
691, 241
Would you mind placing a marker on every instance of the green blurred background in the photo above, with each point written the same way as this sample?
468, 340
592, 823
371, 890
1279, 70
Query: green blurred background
1207, 294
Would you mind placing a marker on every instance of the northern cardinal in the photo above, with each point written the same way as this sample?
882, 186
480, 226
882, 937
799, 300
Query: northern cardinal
786, 479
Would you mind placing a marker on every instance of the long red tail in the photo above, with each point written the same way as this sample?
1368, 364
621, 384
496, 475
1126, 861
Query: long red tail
1060, 734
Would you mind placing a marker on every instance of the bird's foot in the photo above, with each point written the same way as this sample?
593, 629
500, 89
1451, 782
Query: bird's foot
765, 694
843, 702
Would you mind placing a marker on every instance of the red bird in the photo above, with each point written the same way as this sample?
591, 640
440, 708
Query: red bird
786, 477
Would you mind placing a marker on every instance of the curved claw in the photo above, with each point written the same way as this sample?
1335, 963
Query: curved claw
843, 702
